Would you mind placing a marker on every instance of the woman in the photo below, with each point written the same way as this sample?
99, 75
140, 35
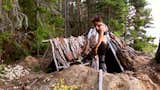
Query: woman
100, 47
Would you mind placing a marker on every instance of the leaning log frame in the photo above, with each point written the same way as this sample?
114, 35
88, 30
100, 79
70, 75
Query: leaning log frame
125, 56
59, 54
60, 48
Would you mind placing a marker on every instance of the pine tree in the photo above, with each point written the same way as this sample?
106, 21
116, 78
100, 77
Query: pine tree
137, 23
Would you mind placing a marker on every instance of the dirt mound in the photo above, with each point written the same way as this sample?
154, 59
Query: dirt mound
83, 78
152, 70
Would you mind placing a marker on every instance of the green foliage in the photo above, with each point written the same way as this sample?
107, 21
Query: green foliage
116, 26
28, 7
118, 33
19, 51
42, 31
114, 13
46, 21
4, 36
58, 21
51, 1
42, 22
139, 44
140, 21
42, 9
143, 45
10, 49
138, 3
13, 51
7, 5
150, 49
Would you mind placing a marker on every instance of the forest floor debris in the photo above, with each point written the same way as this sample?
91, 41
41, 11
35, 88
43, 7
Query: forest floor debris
12, 72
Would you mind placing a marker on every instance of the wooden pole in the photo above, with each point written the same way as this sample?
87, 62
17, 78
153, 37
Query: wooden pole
100, 80
80, 17
114, 52
53, 55
66, 15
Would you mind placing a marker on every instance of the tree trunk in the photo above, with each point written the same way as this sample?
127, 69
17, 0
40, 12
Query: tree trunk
91, 6
66, 14
0, 8
158, 54
60, 5
37, 21
80, 17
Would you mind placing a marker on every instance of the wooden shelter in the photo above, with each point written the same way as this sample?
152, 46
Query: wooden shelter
66, 51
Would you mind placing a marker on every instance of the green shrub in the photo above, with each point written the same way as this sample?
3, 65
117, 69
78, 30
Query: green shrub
142, 45
7, 5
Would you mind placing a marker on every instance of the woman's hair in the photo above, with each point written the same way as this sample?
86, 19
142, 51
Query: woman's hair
97, 19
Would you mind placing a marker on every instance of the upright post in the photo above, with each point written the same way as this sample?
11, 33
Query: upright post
100, 80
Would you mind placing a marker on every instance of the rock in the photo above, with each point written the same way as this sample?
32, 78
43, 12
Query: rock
86, 78
31, 61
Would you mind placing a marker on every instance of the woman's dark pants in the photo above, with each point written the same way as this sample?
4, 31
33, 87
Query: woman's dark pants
101, 53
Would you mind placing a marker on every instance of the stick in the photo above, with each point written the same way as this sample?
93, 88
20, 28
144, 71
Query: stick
44, 41
45, 53
54, 58
33, 82
100, 80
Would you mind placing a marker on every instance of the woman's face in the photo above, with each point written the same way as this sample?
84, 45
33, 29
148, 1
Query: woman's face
97, 25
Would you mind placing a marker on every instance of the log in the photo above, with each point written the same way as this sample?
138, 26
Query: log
53, 55
59, 53
66, 49
72, 47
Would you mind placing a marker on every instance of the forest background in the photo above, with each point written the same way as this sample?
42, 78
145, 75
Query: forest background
25, 23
